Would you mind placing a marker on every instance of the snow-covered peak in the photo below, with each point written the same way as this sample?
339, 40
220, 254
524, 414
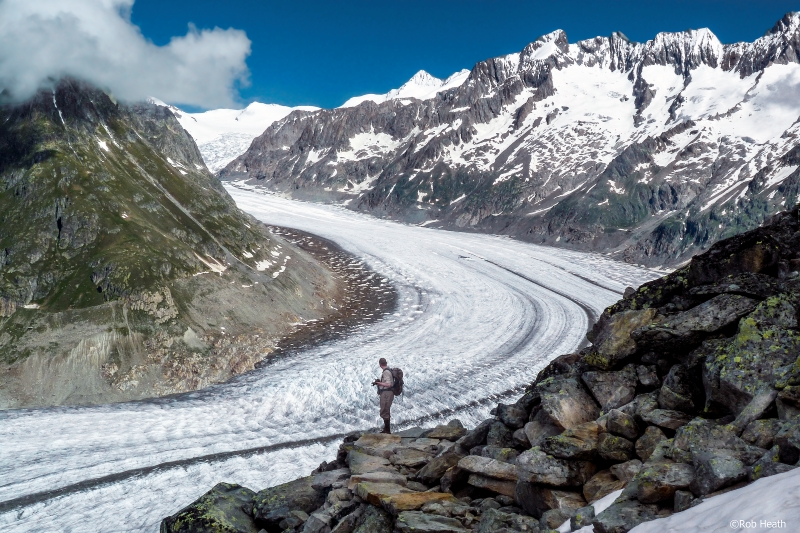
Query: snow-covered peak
223, 134
421, 86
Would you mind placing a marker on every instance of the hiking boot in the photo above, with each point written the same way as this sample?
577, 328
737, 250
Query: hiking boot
386, 427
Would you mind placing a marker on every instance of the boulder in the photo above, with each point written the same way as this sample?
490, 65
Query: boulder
373, 493
374, 520
272, 505
777, 311
702, 435
553, 518
612, 341
499, 486
454, 479
648, 442
648, 377
758, 406
536, 499
688, 328
362, 463
759, 286
414, 500
623, 516
377, 477
666, 418
761, 433
499, 435
715, 470
612, 389
751, 362
657, 482
409, 457
326, 480
626, 471
754, 251
506, 455
318, 522
488, 467
683, 500
622, 424
583, 517
535, 466
613, 448
788, 441
419, 522
539, 429
601, 484
492, 521
679, 389
519, 439
226, 507
788, 403
476, 436
377, 444
769, 465
453, 431
512, 416
579, 442
565, 404
432, 472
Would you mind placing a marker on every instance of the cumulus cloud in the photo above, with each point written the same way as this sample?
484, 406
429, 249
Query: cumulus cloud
95, 40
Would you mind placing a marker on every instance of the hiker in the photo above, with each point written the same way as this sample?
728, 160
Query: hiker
386, 392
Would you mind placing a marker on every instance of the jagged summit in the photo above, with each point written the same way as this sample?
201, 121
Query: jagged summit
652, 151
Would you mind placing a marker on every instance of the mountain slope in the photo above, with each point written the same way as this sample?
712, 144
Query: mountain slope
652, 151
126, 271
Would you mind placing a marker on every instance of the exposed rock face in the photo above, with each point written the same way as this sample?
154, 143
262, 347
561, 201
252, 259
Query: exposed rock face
651, 150
126, 271
663, 442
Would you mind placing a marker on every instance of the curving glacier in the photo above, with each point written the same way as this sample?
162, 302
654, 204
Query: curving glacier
477, 317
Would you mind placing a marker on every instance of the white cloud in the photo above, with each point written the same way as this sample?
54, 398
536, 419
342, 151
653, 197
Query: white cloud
95, 40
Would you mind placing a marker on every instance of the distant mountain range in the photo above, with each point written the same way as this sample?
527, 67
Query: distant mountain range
648, 151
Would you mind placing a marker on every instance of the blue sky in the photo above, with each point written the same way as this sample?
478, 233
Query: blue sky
322, 52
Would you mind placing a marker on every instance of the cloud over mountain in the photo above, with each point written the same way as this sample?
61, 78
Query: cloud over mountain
95, 40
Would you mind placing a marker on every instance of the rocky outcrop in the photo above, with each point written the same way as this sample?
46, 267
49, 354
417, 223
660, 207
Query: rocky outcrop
653, 151
657, 424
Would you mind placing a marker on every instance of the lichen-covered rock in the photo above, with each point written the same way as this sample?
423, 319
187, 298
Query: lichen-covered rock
565, 404
623, 516
761, 403
761, 433
688, 328
499, 435
419, 522
601, 484
648, 441
582, 517
411, 501
432, 472
492, 521
536, 499
535, 466
788, 440
614, 448
715, 470
658, 482
500, 486
666, 418
612, 389
272, 505
788, 403
374, 520
648, 377
758, 286
702, 435
769, 465
506, 455
579, 442
488, 467
612, 337
226, 508
452, 431
539, 429
622, 424
751, 362
476, 436
512, 416
626, 471
679, 390
754, 251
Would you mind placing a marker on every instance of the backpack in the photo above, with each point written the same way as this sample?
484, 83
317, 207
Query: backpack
397, 377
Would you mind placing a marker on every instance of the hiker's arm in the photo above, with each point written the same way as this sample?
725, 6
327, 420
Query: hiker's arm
382, 384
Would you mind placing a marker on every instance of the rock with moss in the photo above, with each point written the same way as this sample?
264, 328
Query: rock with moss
226, 508
273, 506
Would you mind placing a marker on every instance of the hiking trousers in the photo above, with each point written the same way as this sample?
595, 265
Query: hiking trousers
386, 404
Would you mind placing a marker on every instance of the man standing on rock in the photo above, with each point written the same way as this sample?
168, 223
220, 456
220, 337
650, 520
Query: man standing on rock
386, 393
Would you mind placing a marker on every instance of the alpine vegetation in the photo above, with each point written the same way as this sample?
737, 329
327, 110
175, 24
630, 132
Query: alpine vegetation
650, 151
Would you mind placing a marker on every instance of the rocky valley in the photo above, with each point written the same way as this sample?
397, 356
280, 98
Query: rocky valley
648, 151
126, 270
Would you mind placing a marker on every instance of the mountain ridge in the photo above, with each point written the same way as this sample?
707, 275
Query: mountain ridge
574, 145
